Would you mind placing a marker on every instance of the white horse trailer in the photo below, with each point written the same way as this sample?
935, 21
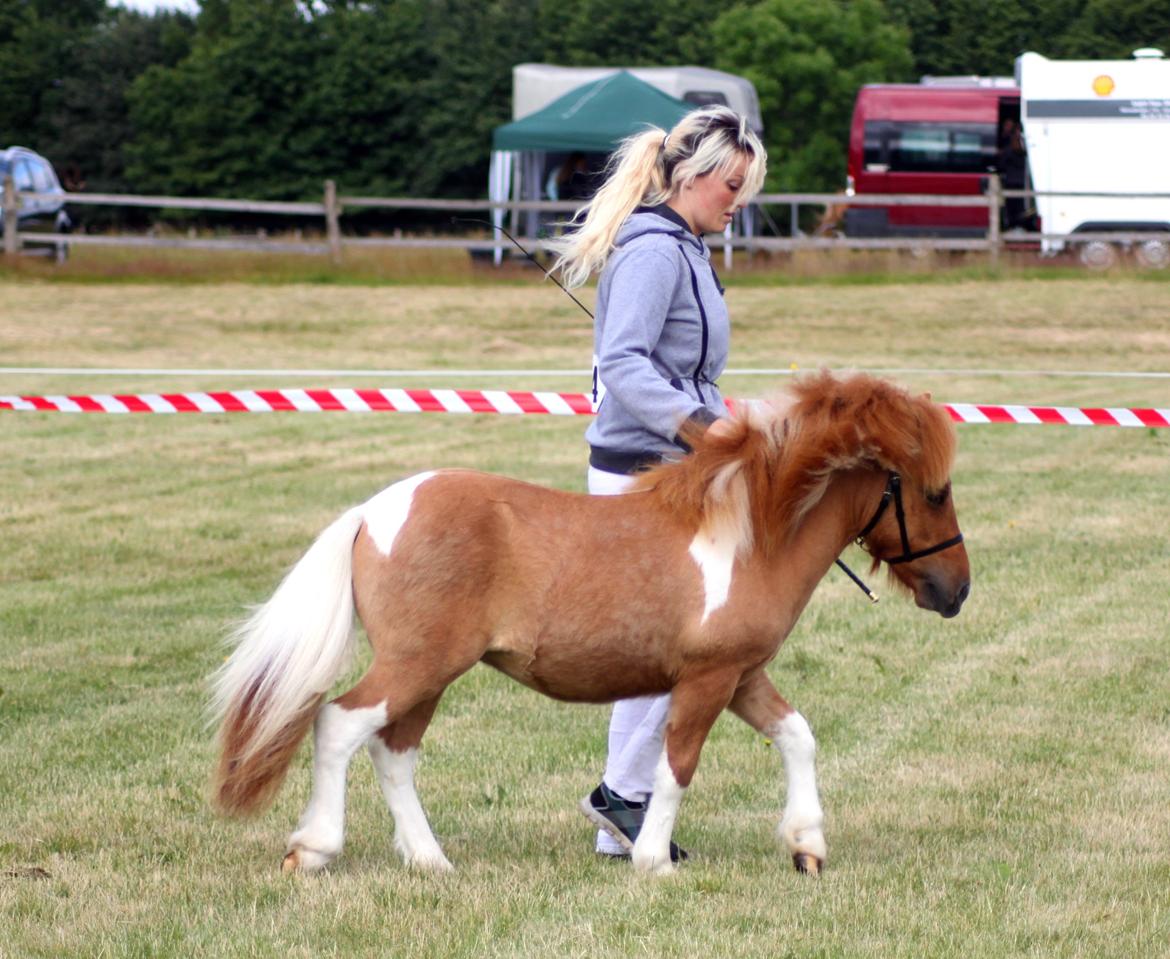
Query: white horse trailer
535, 85
1100, 126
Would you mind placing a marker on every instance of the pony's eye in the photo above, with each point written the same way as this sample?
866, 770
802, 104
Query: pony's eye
938, 497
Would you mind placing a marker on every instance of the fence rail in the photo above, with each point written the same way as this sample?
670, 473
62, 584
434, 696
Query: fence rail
334, 205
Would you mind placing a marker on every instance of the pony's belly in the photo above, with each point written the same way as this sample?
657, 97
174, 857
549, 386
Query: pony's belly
582, 679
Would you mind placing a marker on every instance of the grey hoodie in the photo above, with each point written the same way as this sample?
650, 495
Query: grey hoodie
661, 339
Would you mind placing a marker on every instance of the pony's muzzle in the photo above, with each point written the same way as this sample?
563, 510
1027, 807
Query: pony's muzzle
944, 598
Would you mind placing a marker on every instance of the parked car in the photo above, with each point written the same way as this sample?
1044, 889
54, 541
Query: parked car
941, 136
32, 173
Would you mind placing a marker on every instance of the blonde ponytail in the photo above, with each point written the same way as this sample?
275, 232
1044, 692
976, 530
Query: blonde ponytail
648, 169
635, 171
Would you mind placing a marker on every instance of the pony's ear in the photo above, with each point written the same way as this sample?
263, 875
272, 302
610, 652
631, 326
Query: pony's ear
926, 396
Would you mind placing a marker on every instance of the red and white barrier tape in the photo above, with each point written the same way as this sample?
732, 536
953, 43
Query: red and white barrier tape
311, 401
1058, 415
508, 402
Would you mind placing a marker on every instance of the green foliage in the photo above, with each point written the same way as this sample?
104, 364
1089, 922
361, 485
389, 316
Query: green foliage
392, 97
807, 59
1106, 29
465, 92
267, 98
85, 121
39, 40
985, 36
651, 33
229, 119
64, 72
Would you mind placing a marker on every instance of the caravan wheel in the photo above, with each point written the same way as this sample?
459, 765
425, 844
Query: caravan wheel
1098, 255
1153, 254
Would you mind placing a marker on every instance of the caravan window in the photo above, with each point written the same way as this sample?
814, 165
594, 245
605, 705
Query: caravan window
923, 147
704, 98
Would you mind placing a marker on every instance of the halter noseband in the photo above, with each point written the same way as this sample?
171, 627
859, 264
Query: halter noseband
893, 492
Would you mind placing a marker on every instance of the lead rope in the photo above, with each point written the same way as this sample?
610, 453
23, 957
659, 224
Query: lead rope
873, 597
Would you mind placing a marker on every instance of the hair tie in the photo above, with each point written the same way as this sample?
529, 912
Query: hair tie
664, 139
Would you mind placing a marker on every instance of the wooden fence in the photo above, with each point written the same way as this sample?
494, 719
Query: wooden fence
333, 206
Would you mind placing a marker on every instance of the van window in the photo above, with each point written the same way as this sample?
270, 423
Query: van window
922, 147
704, 98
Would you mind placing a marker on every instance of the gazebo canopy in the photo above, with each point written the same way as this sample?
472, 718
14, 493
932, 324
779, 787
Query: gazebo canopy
594, 118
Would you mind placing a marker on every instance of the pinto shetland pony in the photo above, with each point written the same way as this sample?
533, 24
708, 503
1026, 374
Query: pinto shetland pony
688, 584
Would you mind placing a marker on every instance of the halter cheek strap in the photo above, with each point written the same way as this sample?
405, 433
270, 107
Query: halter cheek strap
893, 491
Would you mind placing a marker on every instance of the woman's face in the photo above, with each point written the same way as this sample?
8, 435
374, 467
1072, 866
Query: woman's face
709, 201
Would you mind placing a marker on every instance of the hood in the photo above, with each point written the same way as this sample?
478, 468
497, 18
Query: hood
658, 220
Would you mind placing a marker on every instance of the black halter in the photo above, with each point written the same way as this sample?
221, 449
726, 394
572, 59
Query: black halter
893, 492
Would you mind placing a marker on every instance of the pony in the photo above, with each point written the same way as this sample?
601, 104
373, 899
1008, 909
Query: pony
688, 584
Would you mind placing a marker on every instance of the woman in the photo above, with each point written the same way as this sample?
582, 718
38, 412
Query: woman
661, 340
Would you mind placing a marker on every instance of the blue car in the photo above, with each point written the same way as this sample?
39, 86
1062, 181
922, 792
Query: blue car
32, 173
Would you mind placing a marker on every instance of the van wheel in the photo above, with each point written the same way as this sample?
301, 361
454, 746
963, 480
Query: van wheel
1152, 254
1098, 255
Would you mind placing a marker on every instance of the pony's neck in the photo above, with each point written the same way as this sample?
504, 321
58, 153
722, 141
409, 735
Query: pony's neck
832, 524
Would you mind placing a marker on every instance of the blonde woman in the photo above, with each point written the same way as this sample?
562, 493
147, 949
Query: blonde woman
661, 340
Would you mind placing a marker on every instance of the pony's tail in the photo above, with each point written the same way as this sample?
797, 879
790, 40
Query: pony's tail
287, 656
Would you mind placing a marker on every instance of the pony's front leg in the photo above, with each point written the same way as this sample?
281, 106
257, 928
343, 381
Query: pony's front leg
802, 825
694, 706
338, 734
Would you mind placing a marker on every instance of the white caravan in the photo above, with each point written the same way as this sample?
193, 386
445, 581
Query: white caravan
1100, 126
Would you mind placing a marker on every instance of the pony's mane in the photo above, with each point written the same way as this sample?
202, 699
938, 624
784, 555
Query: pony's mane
759, 475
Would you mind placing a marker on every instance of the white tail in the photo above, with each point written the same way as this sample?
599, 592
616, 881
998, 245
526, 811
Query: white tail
287, 655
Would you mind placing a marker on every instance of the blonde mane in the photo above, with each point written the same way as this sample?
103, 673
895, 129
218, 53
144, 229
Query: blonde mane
762, 474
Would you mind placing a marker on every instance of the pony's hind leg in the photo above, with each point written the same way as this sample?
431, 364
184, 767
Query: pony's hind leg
338, 734
801, 828
394, 752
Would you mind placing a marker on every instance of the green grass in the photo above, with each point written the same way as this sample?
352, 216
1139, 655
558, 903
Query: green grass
995, 785
366, 266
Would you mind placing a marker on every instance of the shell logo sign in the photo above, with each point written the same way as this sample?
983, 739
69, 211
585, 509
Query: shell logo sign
1103, 85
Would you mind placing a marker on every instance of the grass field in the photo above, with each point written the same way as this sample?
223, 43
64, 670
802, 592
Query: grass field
995, 785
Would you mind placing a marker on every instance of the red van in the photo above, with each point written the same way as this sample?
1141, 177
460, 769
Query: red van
942, 136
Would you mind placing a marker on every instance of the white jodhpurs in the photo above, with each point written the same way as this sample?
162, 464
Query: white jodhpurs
636, 726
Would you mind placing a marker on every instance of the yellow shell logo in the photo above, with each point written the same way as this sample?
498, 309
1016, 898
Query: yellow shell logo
1103, 85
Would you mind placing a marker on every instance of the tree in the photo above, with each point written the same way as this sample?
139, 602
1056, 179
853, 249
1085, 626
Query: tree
473, 46
1110, 29
387, 96
649, 33
39, 45
231, 119
807, 59
960, 37
85, 119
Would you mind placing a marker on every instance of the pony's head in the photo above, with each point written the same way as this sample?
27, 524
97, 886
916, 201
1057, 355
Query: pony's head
763, 471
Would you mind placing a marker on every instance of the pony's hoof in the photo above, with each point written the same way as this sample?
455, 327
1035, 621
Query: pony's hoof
661, 871
652, 866
304, 861
807, 864
436, 864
